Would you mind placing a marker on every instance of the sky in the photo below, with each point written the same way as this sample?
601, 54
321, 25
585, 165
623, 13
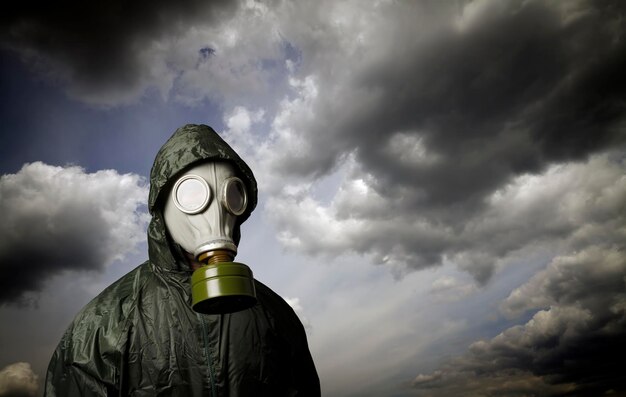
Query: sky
442, 185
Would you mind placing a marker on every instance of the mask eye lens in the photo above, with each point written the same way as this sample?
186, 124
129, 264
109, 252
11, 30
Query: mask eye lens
191, 194
235, 198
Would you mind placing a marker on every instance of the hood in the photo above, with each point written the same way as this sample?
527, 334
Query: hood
188, 146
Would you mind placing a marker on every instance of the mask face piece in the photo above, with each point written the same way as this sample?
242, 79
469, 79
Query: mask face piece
202, 208
200, 214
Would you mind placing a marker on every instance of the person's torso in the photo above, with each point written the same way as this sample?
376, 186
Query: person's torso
173, 351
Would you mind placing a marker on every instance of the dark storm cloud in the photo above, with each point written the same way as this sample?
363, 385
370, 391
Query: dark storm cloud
504, 95
573, 346
57, 219
96, 47
440, 116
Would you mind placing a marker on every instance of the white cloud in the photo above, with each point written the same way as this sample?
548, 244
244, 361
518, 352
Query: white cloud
587, 277
247, 53
240, 120
409, 148
18, 380
565, 207
479, 11
450, 289
62, 218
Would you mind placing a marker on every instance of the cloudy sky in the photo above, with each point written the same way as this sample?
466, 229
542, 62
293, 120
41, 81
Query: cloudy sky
442, 184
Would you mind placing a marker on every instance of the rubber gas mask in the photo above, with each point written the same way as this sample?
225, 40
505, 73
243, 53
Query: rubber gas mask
200, 213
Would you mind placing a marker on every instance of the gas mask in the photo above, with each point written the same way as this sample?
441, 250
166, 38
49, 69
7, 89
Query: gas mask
200, 213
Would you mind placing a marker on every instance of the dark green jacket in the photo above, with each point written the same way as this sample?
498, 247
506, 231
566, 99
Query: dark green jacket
140, 337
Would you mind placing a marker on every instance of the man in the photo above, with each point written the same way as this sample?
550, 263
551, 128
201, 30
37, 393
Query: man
141, 336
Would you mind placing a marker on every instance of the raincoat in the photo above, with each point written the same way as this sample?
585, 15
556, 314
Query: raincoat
140, 337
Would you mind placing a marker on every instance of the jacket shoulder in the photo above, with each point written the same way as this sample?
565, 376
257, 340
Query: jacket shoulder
272, 301
279, 313
116, 301
104, 320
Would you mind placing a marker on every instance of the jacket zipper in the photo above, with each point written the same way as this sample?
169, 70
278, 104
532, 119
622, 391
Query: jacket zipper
205, 336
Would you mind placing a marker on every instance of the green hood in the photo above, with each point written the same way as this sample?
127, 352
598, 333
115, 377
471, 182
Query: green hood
191, 144
188, 146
